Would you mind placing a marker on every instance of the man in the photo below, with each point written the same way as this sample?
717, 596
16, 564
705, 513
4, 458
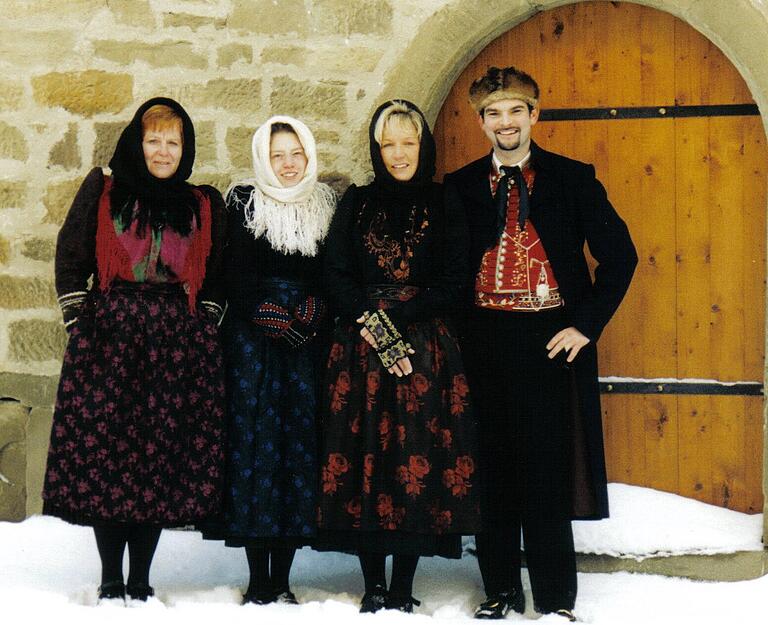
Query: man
529, 343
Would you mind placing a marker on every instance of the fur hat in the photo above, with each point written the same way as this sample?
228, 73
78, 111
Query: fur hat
503, 84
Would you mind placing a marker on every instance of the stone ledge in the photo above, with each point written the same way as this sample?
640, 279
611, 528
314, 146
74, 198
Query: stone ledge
30, 390
724, 567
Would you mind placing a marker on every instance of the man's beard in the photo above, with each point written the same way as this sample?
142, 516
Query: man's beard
508, 144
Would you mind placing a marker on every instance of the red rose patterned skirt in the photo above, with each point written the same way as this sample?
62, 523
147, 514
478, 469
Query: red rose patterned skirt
398, 455
138, 423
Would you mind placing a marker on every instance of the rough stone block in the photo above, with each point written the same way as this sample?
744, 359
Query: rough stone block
5, 250
107, 134
237, 94
305, 99
229, 54
84, 93
132, 12
38, 435
194, 22
326, 136
239, 146
13, 145
58, 198
13, 194
13, 502
30, 390
39, 249
36, 340
29, 48
346, 17
162, 54
205, 143
53, 11
19, 293
66, 153
269, 18
11, 93
333, 59
13, 422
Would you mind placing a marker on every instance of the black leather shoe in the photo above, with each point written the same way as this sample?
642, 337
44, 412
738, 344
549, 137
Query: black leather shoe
259, 597
497, 606
374, 601
112, 590
140, 592
402, 604
286, 597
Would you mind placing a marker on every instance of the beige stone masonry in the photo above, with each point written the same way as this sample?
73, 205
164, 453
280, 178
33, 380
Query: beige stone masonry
308, 100
193, 22
240, 94
26, 292
339, 60
11, 93
58, 198
39, 249
36, 340
264, 17
12, 194
34, 49
169, 53
132, 12
66, 152
5, 250
84, 93
346, 17
13, 460
239, 147
13, 145
229, 54
107, 134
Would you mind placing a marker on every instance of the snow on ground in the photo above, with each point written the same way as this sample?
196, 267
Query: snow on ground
49, 572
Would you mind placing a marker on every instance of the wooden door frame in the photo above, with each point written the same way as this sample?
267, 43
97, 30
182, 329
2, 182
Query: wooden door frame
451, 38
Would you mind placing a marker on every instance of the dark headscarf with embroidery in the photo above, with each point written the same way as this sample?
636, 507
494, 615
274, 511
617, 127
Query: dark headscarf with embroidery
161, 202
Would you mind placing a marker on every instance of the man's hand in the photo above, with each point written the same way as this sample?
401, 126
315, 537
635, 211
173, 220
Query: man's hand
570, 339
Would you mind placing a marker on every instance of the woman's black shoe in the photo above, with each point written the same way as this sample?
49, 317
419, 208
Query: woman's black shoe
496, 606
402, 604
286, 597
259, 597
112, 590
140, 592
374, 600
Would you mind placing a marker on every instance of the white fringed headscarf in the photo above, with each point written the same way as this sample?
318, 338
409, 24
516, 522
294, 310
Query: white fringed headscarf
293, 219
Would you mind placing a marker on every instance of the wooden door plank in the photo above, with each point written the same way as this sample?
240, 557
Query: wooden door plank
695, 448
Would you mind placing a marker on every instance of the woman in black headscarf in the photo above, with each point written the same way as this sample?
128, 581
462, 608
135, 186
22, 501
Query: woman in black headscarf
398, 466
136, 438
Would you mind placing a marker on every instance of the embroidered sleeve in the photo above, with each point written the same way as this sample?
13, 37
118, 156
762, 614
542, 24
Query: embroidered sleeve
76, 246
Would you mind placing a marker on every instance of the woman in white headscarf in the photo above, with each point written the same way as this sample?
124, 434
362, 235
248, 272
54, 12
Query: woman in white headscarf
273, 343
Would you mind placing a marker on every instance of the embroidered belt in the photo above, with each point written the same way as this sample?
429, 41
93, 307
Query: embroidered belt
520, 301
385, 295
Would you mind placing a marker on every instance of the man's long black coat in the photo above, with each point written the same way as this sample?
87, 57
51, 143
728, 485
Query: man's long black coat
569, 207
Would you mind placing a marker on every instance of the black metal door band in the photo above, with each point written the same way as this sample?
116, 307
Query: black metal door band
647, 112
657, 387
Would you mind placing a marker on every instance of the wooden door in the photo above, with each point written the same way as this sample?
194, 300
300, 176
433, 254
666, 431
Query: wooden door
691, 185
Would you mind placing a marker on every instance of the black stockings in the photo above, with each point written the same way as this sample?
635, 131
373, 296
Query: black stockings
262, 578
111, 541
403, 572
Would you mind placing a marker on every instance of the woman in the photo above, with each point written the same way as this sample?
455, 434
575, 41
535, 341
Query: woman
398, 474
135, 444
274, 349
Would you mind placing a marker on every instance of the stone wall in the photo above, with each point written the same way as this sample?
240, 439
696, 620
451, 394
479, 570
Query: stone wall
72, 72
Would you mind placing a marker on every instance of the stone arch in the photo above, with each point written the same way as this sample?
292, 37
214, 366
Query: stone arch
446, 43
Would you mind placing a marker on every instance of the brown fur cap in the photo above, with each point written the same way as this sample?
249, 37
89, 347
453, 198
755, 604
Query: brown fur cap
508, 83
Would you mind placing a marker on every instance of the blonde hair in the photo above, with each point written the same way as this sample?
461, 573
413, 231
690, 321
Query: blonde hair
161, 117
399, 114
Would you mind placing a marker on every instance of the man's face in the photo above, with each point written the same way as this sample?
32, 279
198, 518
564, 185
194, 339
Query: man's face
507, 124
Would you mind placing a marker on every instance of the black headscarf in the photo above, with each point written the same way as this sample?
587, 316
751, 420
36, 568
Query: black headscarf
421, 182
168, 201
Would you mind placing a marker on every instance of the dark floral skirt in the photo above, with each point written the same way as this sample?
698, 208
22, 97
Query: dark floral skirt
138, 423
399, 454
271, 491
